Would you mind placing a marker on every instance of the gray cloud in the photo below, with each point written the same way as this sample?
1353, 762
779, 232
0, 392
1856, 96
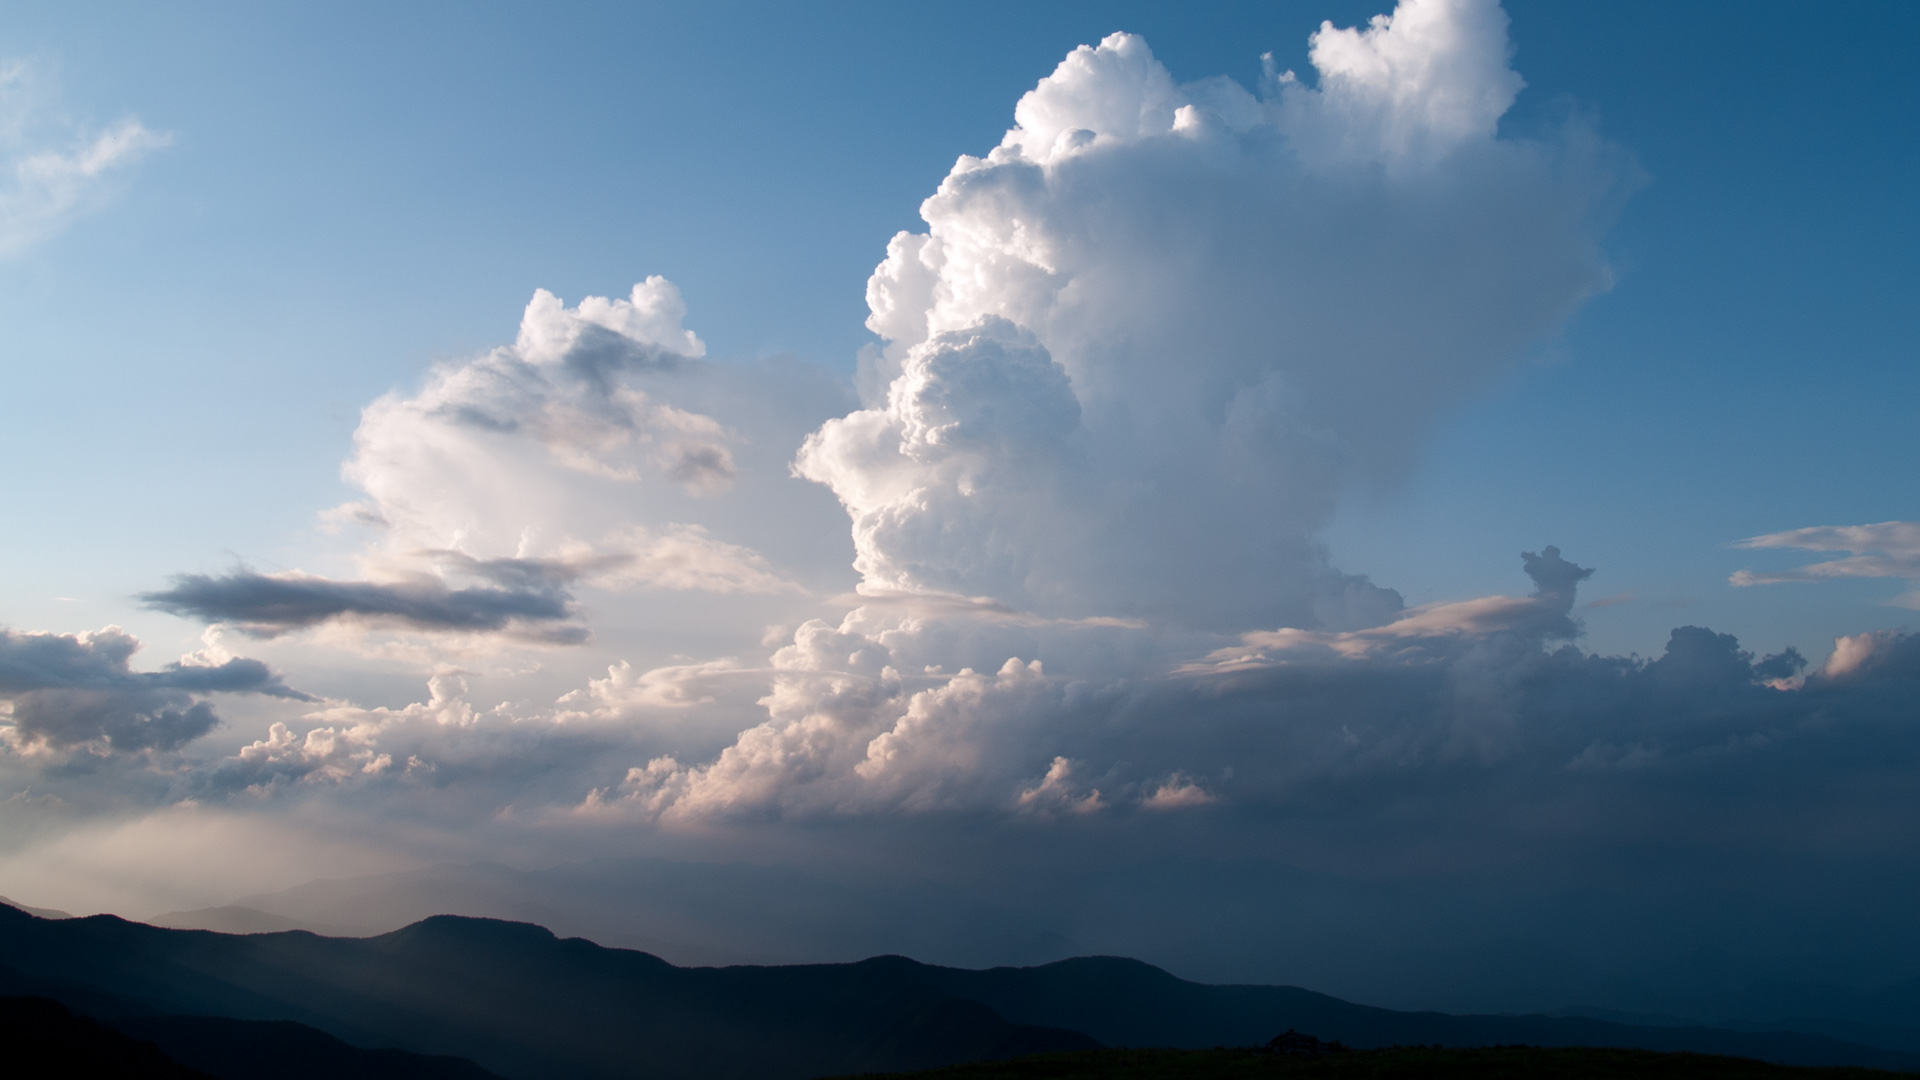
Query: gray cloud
64, 690
524, 597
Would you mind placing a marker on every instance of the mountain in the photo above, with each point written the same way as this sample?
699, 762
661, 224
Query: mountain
1398, 1063
43, 1038
1309, 930
236, 919
524, 1003
518, 1000
45, 913
689, 912
227, 1049
1127, 1003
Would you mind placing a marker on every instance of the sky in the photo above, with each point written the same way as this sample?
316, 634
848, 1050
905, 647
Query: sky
1449, 472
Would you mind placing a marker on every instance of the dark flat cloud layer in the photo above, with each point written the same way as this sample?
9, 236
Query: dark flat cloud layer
528, 597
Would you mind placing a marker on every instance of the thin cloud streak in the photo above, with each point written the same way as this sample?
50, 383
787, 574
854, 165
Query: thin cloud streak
1890, 549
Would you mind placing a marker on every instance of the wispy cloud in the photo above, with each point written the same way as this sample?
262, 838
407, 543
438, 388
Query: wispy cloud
50, 172
1890, 549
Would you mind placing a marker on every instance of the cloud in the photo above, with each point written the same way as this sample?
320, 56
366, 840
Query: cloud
511, 479
342, 744
64, 691
1428, 632
44, 187
527, 597
442, 466
1450, 696
1890, 549
500, 487
1128, 369
1178, 793
1146, 341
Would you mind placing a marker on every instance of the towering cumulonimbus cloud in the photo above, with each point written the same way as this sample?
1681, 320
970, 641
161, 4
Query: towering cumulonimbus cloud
1147, 340
1140, 350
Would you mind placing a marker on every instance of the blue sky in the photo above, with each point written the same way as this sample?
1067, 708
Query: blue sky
353, 193
1662, 307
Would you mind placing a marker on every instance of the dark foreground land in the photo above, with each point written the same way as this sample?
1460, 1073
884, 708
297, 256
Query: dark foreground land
1393, 1063
463, 998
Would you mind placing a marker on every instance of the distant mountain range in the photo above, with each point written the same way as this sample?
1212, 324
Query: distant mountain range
712, 914
523, 1003
690, 912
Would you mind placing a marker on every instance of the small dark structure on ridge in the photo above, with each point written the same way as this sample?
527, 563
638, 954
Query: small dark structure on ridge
1294, 1043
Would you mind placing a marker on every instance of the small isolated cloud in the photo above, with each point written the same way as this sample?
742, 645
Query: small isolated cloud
1890, 549
1180, 792
64, 691
52, 173
1057, 791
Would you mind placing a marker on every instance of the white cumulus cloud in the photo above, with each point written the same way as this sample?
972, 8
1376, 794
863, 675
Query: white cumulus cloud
1145, 342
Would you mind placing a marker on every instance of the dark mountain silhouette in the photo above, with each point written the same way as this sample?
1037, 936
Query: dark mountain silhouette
1398, 1063
518, 1000
523, 1003
42, 1038
228, 1049
691, 913
1127, 1003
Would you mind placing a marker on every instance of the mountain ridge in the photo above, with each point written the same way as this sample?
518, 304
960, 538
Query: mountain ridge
521, 1001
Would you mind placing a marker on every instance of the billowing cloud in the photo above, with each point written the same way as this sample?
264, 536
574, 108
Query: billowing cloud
1146, 341
477, 459
1139, 351
1491, 686
564, 386
63, 691
1890, 549
569, 445
509, 481
49, 177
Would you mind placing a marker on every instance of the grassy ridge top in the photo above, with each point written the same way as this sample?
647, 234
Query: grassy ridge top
1396, 1063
